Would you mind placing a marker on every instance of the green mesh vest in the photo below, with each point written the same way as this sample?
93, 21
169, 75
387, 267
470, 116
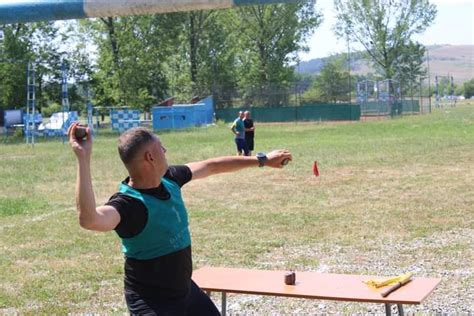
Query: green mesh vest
166, 230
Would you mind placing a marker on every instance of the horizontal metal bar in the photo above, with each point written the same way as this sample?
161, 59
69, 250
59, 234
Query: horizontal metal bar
20, 11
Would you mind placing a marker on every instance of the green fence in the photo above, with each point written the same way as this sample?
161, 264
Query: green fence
411, 106
382, 107
313, 112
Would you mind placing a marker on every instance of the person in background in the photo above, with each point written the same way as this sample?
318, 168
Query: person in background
249, 132
149, 216
238, 128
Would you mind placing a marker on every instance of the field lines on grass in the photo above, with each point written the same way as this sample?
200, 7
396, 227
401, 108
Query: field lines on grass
393, 195
36, 218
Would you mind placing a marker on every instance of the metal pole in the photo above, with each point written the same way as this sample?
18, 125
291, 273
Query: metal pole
429, 81
420, 97
452, 92
30, 105
400, 309
349, 66
20, 11
224, 304
366, 91
27, 121
64, 97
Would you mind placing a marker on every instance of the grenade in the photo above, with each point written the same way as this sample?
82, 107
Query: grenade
80, 132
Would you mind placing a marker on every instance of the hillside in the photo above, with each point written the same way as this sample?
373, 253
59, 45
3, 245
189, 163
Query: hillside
453, 60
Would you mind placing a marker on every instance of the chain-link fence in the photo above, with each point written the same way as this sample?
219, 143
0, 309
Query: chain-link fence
391, 97
383, 97
279, 95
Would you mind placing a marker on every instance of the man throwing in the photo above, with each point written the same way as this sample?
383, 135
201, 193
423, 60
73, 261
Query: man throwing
149, 216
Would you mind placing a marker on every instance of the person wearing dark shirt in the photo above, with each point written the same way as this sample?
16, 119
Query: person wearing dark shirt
249, 132
149, 216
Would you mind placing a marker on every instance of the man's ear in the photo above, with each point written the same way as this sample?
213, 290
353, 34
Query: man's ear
149, 156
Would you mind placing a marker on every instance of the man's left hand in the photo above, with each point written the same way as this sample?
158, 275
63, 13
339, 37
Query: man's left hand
276, 158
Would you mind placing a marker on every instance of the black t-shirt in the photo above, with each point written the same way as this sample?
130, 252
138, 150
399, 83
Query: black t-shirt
248, 123
167, 276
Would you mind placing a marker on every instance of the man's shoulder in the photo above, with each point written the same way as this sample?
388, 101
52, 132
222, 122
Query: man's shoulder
181, 174
120, 197
124, 203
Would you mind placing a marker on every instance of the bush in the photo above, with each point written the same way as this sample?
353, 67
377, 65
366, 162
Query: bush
469, 88
46, 112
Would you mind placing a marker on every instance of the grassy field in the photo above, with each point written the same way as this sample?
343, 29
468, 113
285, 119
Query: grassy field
393, 195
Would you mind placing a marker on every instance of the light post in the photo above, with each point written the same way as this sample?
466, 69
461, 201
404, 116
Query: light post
429, 80
349, 61
349, 68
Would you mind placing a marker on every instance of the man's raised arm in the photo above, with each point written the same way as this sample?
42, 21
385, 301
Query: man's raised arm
103, 218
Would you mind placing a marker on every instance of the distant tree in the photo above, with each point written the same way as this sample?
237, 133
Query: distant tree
269, 38
444, 86
468, 87
304, 81
24, 43
383, 27
15, 55
204, 58
132, 54
195, 29
409, 66
459, 89
81, 68
332, 84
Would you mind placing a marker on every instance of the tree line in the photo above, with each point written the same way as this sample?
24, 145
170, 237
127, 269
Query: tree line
138, 61
248, 54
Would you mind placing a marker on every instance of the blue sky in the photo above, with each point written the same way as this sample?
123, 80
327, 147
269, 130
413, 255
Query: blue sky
454, 24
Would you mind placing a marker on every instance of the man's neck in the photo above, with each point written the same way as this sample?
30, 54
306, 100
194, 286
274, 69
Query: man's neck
144, 183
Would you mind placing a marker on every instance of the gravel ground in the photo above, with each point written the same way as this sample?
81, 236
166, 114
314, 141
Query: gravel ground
448, 255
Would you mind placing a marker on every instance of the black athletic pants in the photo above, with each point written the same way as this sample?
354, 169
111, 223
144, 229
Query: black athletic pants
195, 303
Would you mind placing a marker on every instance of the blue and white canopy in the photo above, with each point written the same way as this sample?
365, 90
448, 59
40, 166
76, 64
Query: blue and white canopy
16, 11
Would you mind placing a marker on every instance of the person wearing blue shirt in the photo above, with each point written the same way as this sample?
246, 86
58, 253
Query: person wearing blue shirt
238, 128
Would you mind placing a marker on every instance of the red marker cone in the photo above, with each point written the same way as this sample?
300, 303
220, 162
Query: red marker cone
315, 169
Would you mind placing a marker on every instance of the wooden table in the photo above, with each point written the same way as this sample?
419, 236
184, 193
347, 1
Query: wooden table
313, 285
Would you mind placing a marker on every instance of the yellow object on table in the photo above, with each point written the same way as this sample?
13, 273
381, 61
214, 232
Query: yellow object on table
389, 281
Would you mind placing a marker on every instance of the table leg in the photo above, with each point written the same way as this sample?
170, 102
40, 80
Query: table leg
388, 310
223, 304
400, 309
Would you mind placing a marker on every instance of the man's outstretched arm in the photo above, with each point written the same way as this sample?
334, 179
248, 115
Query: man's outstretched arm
205, 168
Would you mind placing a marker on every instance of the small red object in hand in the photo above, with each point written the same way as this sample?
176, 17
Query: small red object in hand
315, 169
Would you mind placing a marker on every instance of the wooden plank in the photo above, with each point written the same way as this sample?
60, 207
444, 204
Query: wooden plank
313, 285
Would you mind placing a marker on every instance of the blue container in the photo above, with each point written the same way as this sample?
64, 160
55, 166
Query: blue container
182, 116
